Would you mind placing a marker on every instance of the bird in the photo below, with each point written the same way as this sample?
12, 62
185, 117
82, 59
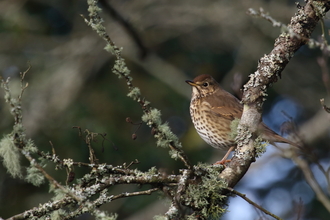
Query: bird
212, 110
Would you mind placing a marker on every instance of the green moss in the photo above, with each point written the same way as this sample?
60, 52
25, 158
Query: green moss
120, 67
260, 146
34, 176
166, 130
165, 137
174, 154
58, 214
134, 93
160, 217
153, 117
59, 194
11, 156
192, 217
102, 215
109, 48
243, 135
233, 127
19, 129
93, 9
161, 142
30, 147
152, 171
319, 8
207, 196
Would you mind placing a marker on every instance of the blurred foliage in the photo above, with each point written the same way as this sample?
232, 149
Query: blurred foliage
71, 84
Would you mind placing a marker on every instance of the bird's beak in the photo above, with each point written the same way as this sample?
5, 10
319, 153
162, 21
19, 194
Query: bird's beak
191, 83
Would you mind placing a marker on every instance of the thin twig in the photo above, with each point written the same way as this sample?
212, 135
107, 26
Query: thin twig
243, 196
103, 199
23, 87
309, 176
262, 14
50, 178
311, 42
181, 155
120, 68
39, 211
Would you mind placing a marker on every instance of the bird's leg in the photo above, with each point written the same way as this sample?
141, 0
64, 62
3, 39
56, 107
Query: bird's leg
224, 159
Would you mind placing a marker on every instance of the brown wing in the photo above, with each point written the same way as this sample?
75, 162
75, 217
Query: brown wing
224, 112
225, 105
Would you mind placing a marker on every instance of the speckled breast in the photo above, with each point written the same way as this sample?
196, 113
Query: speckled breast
211, 128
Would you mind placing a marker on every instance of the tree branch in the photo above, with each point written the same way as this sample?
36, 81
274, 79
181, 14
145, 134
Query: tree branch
292, 154
243, 196
269, 69
161, 131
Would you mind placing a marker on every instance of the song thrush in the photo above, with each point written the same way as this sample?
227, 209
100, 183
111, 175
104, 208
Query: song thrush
212, 111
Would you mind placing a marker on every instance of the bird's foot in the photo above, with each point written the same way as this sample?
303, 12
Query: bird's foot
222, 162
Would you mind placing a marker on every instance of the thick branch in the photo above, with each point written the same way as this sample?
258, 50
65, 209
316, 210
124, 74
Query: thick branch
269, 69
271, 65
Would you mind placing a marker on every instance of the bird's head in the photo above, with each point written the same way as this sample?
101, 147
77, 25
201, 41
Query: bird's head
203, 85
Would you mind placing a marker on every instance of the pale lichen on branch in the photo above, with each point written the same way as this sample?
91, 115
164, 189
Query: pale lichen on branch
152, 117
269, 70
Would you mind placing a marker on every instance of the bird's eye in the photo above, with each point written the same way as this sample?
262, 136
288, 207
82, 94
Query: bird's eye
205, 84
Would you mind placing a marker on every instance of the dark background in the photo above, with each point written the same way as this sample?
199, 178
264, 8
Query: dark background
71, 84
